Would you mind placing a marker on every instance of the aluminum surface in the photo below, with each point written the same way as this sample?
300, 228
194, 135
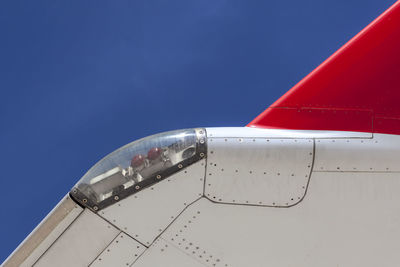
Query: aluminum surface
123, 251
146, 214
346, 219
163, 254
250, 132
258, 171
86, 238
380, 154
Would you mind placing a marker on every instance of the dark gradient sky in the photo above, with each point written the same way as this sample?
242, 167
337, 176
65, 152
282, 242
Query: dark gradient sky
79, 79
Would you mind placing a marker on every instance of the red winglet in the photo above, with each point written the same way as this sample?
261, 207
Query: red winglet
356, 89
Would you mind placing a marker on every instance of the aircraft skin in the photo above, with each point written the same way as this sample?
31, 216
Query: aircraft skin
312, 181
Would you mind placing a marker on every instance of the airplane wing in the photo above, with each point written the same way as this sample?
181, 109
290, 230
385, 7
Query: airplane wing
313, 181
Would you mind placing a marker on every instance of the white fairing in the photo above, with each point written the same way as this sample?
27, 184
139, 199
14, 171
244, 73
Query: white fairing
149, 212
247, 132
333, 226
259, 198
380, 154
162, 253
123, 251
258, 171
80, 243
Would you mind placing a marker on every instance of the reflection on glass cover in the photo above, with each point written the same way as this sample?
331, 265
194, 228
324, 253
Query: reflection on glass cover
137, 165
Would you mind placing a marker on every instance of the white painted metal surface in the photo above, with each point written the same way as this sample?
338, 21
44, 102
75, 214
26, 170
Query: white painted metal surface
380, 154
123, 251
45, 234
163, 254
265, 209
248, 132
258, 171
346, 219
147, 213
80, 243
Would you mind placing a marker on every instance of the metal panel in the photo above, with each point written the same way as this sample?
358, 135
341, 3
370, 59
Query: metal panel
162, 254
380, 154
86, 238
258, 171
346, 219
236, 132
29, 251
147, 213
123, 251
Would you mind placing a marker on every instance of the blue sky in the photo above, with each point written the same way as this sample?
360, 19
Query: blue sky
78, 79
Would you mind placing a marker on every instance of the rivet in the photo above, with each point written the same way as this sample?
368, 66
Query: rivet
116, 197
159, 176
95, 208
201, 141
202, 154
137, 187
74, 191
84, 200
179, 166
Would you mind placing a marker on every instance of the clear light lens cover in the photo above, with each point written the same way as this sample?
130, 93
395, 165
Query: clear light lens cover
137, 165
